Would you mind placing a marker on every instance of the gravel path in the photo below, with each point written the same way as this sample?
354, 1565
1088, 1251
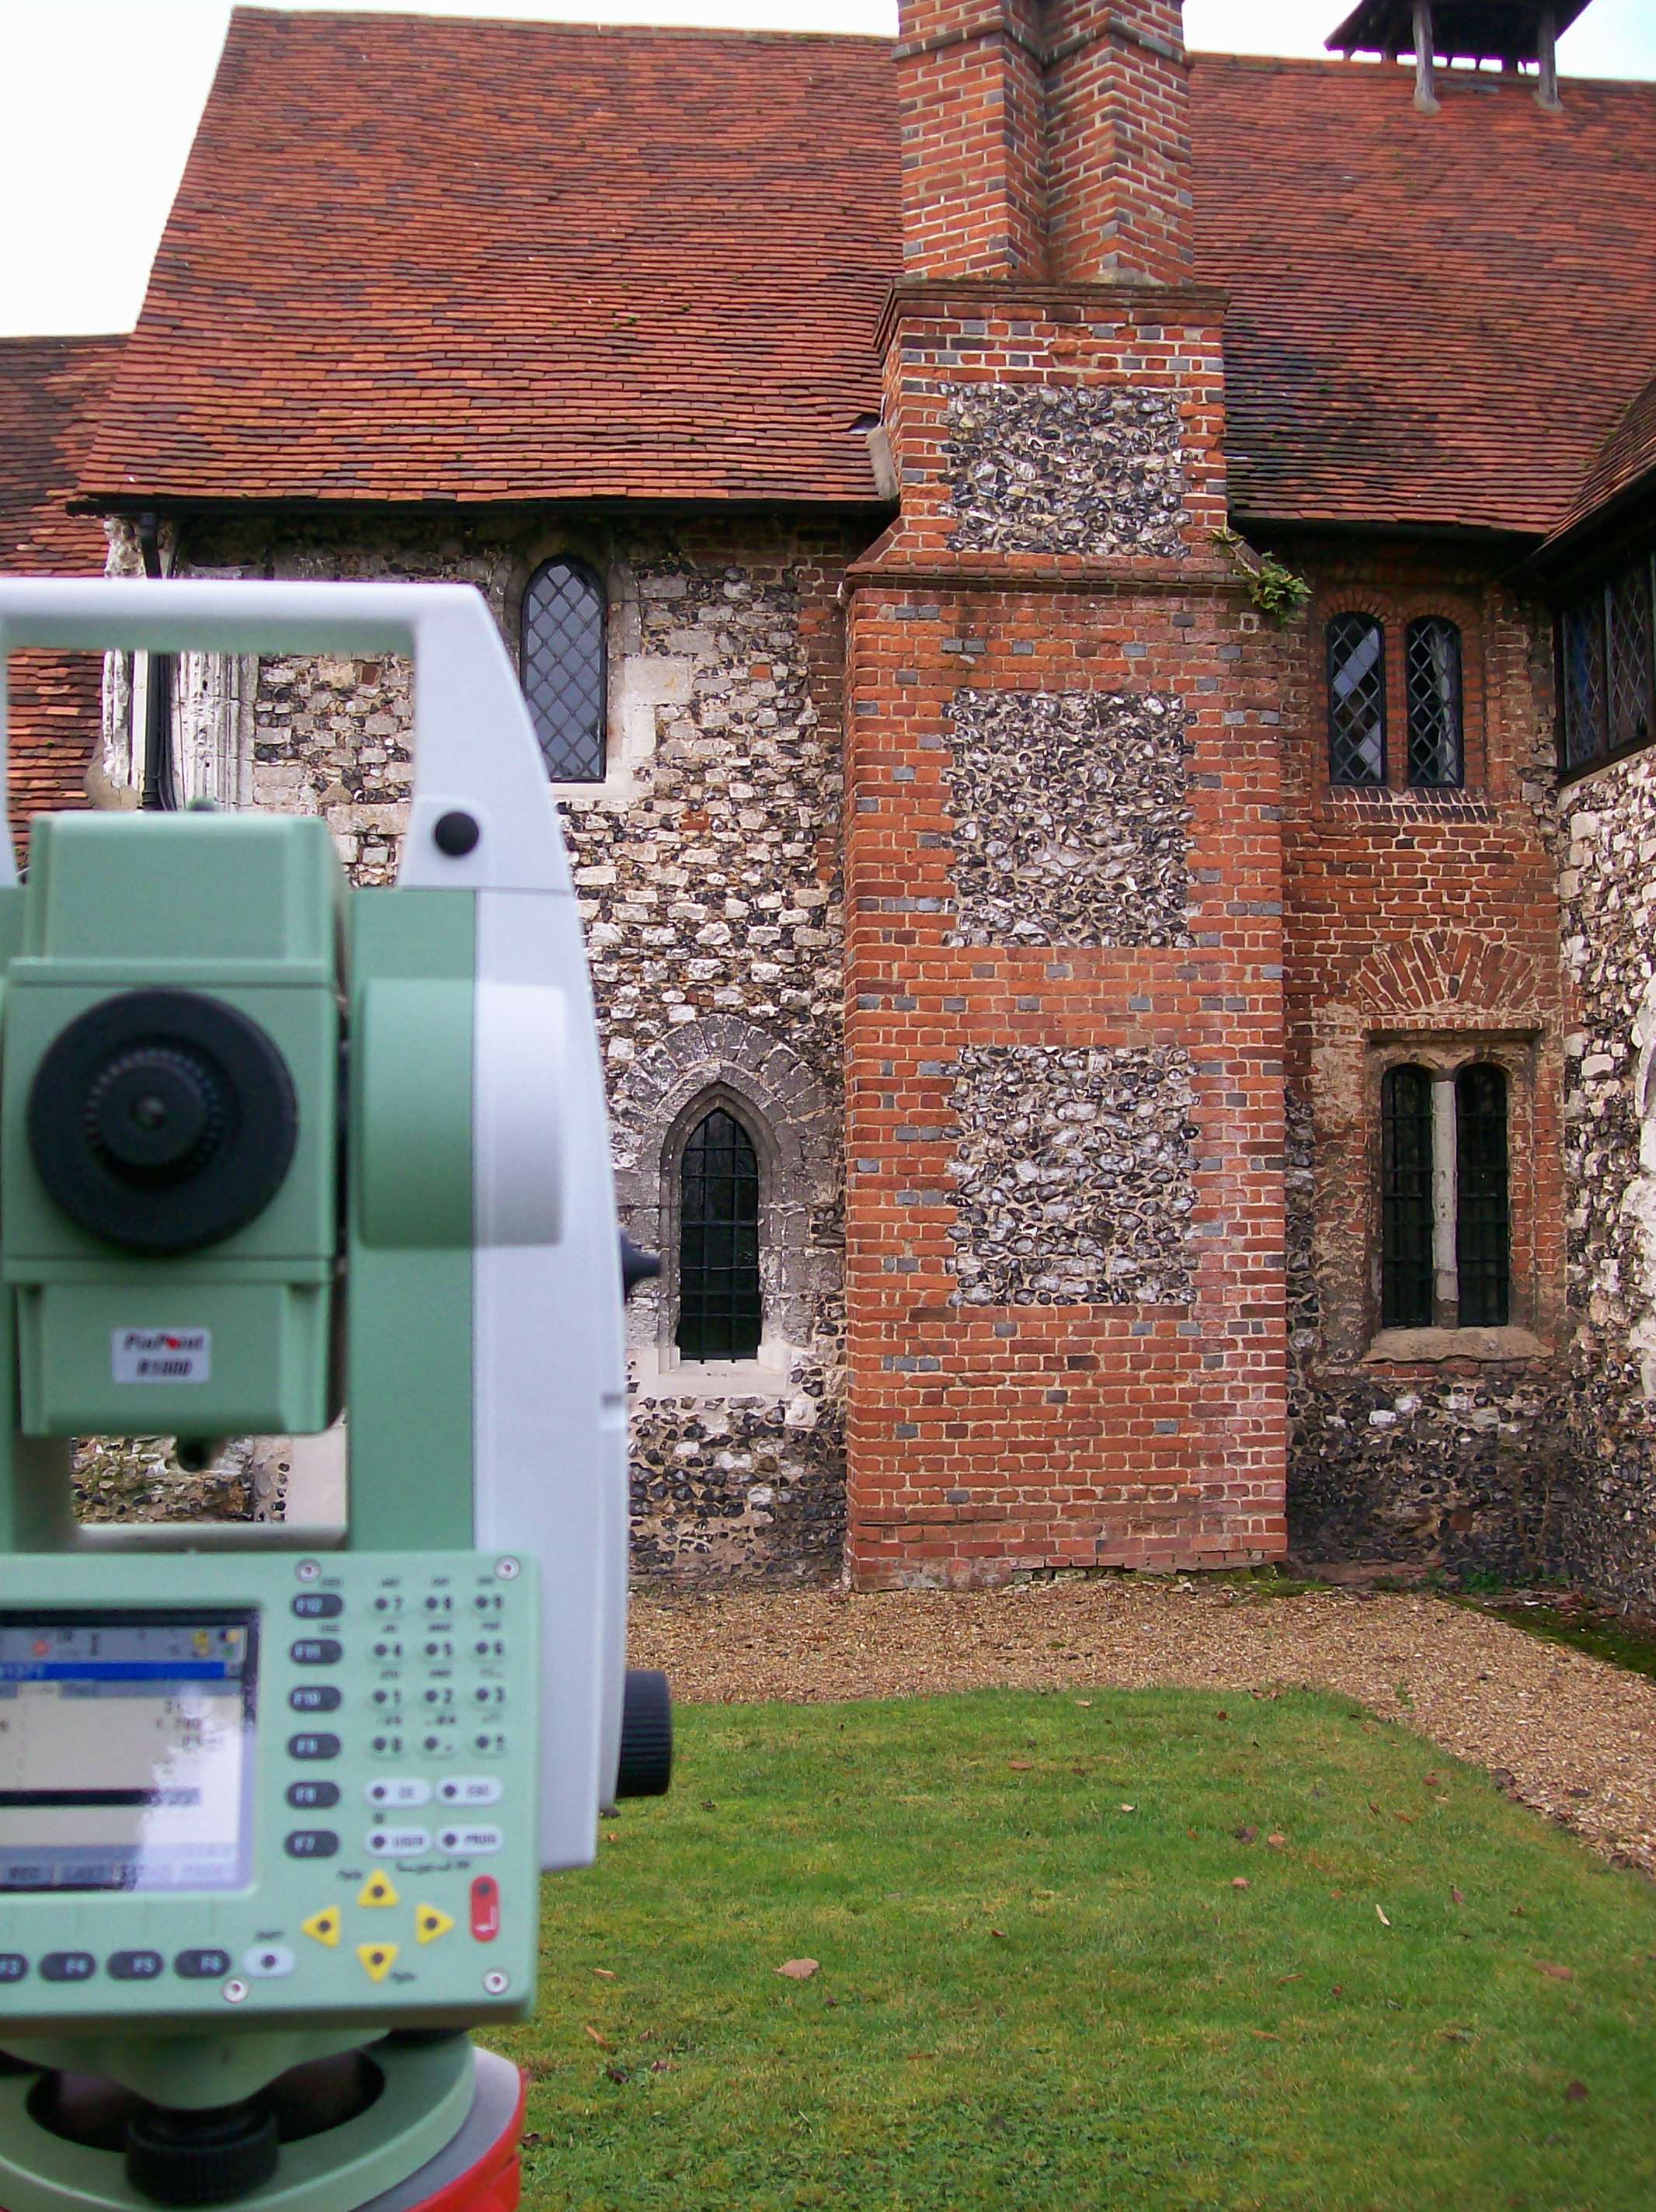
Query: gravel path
1576, 1736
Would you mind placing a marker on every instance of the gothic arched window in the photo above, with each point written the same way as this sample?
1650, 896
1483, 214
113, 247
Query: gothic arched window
560, 658
720, 1303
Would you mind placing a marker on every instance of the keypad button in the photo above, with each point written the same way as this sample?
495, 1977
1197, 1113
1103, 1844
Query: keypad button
319, 1605
315, 1697
310, 1844
396, 1843
13, 1965
398, 1789
316, 1651
202, 1966
473, 1842
68, 1966
134, 1966
469, 1788
267, 1962
313, 1796
390, 1699
313, 1747
387, 1648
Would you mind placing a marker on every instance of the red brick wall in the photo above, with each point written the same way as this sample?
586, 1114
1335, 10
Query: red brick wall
1119, 140
987, 1440
1420, 920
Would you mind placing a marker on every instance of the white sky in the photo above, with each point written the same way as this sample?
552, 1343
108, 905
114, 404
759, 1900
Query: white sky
99, 100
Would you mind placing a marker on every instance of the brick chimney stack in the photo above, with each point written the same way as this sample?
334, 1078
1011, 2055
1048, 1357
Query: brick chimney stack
1045, 140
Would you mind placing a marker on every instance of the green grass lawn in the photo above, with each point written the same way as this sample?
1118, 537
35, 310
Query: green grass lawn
1039, 1984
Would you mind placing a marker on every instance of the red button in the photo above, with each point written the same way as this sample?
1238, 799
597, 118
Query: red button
485, 1908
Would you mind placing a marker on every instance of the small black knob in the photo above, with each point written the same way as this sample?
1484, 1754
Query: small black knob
157, 1114
637, 1266
201, 2158
646, 1767
456, 833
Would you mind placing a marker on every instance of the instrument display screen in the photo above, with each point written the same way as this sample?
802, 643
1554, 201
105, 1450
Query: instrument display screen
126, 1743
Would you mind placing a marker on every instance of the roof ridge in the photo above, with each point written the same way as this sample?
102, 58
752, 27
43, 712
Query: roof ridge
748, 35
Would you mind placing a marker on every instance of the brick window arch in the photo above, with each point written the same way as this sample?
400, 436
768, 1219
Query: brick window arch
1355, 647
1432, 683
561, 661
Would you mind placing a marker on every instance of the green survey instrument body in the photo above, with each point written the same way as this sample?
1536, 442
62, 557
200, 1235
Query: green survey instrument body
273, 1151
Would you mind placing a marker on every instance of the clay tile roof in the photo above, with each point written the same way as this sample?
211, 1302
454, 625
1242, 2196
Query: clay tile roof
48, 389
416, 257
1434, 319
1626, 459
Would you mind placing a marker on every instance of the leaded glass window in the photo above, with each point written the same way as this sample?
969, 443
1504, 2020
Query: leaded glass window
1356, 699
1432, 674
1406, 1199
1584, 681
720, 1303
562, 659
1483, 1231
1629, 658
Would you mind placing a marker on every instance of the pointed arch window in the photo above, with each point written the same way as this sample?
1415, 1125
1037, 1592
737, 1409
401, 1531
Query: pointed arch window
721, 1305
562, 666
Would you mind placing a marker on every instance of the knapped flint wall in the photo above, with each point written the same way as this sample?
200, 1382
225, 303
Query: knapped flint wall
1070, 817
1094, 470
1072, 1176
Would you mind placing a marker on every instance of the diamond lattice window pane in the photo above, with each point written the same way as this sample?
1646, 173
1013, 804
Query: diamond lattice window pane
1356, 699
1629, 657
1584, 681
1432, 675
1406, 1265
563, 656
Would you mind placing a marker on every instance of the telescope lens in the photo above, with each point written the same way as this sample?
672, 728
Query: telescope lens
162, 1120
156, 1115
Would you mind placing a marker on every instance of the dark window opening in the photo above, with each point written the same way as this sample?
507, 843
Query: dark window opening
562, 657
1432, 670
1483, 1230
1630, 660
1356, 699
1406, 1268
720, 1305
1607, 646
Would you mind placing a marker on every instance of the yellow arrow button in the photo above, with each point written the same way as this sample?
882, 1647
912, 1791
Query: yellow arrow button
376, 1890
430, 1923
377, 1959
323, 1926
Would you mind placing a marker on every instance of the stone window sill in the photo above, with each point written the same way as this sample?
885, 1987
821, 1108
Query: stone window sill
765, 1378
1413, 1346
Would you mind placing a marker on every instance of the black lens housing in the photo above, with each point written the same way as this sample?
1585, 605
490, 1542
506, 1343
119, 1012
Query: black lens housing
162, 1120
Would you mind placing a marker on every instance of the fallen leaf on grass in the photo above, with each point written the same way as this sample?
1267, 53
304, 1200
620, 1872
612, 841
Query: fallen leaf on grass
1575, 2093
1276, 1840
1455, 1896
1456, 2034
1264, 2035
602, 2041
797, 1970
661, 2066
1001, 1932
603, 1973
1020, 1765
1240, 1881
1086, 1703
1384, 1923
1222, 1715
1130, 1808
615, 2072
1408, 1819
1558, 1973
1287, 1978
1245, 1835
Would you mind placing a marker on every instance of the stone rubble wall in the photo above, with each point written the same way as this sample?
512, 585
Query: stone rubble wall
1072, 1176
1608, 884
1071, 818
1054, 469
706, 872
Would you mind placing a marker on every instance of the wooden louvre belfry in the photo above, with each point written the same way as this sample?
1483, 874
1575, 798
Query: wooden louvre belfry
1510, 31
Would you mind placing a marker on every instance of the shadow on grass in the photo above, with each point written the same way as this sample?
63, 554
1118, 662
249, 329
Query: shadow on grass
1154, 1949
